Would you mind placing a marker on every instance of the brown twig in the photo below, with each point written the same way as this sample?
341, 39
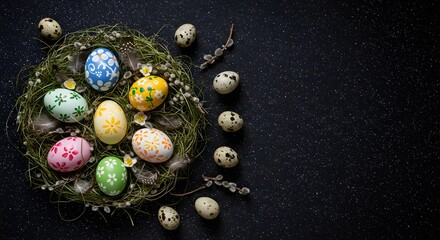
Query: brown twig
190, 192
209, 59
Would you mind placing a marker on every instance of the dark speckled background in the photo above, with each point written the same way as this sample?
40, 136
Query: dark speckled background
340, 100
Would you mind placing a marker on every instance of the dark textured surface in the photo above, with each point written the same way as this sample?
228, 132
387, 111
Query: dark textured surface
341, 109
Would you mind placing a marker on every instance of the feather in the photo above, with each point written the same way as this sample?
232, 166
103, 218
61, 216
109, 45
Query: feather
60, 75
43, 123
128, 54
82, 186
143, 175
77, 61
178, 162
167, 122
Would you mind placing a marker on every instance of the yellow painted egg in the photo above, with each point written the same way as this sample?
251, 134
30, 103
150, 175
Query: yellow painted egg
109, 122
147, 93
152, 145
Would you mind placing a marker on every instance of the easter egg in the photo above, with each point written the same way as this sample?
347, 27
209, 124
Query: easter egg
147, 93
109, 122
230, 121
185, 35
111, 175
168, 218
226, 157
207, 207
50, 29
225, 82
69, 154
65, 105
102, 69
152, 145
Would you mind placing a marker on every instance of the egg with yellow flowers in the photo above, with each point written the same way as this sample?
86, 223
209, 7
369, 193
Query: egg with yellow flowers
109, 122
148, 93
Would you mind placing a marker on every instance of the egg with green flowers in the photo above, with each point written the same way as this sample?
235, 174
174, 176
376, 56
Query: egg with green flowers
111, 175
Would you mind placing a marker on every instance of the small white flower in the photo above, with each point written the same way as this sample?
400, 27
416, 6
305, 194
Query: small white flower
158, 94
69, 84
128, 162
102, 186
110, 163
100, 171
140, 118
99, 55
111, 178
114, 192
138, 98
146, 69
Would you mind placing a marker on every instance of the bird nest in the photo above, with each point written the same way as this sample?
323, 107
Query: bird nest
181, 117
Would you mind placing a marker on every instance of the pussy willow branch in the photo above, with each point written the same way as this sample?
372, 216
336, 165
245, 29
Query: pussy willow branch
224, 47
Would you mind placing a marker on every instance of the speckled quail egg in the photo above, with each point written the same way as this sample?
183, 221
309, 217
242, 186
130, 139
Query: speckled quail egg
207, 208
230, 121
225, 82
185, 35
168, 218
226, 157
50, 29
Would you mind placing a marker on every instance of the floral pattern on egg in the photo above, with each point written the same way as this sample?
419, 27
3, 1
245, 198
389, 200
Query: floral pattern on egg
152, 145
65, 105
147, 93
110, 123
102, 69
69, 154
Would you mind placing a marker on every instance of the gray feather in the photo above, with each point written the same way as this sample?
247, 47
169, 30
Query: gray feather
59, 74
167, 122
178, 162
128, 54
77, 61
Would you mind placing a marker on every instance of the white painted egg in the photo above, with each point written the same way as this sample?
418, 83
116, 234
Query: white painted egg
185, 35
207, 207
65, 105
152, 145
69, 154
226, 157
102, 69
109, 122
230, 121
50, 29
226, 82
168, 218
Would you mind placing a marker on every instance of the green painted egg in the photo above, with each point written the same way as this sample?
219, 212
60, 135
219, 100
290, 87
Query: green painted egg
111, 175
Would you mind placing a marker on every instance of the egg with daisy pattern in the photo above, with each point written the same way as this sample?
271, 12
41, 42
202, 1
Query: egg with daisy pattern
148, 93
102, 69
152, 145
111, 175
109, 122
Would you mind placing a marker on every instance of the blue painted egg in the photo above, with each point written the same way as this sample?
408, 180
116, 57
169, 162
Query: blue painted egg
102, 69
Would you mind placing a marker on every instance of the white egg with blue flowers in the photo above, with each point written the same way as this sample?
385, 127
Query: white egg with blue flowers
102, 69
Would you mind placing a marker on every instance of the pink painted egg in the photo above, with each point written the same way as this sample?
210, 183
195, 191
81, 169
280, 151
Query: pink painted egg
69, 154
152, 145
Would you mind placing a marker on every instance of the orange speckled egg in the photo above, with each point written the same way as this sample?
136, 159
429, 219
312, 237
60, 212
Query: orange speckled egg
152, 145
147, 93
